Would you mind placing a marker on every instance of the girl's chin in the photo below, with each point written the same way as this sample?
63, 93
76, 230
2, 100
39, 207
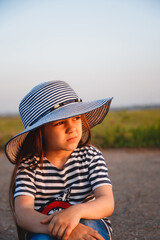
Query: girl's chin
71, 146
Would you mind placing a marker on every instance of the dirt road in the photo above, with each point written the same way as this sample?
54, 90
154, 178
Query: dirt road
135, 179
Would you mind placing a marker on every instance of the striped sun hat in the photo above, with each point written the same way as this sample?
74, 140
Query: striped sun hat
52, 101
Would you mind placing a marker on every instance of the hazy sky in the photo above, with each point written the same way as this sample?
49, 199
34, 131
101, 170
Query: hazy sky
102, 48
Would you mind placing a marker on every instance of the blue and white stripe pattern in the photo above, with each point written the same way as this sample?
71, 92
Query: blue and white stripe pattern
83, 172
52, 101
41, 99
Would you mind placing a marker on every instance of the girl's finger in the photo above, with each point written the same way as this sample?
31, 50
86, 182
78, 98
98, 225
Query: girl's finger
53, 229
61, 232
96, 235
67, 233
89, 237
46, 219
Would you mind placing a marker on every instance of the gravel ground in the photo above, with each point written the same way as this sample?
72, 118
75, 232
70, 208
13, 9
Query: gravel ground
135, 179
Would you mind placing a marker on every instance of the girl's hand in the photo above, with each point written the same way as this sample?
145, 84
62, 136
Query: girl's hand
62, 223
82, 232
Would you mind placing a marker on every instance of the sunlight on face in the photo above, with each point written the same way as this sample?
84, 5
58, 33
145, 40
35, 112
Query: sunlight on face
62, 135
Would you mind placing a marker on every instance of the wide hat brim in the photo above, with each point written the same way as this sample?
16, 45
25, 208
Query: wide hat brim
95, 112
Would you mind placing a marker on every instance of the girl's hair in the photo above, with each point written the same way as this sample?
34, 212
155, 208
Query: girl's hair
33, 146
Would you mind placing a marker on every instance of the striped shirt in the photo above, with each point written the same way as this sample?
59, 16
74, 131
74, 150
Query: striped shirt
84, 171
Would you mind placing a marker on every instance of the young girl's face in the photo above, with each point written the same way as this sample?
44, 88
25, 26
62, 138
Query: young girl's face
63, 135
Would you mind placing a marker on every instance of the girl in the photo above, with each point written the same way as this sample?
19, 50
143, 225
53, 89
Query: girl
60, 187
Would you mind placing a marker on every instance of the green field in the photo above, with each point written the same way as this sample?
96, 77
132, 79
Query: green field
125, 128
9, 127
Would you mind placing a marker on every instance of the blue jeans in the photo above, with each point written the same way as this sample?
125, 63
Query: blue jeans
97, 225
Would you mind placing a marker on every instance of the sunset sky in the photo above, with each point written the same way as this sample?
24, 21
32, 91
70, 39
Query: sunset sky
102, 48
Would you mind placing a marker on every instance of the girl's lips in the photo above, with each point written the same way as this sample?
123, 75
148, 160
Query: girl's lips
72, 139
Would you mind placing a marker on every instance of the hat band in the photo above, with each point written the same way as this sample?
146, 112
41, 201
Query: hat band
54, 108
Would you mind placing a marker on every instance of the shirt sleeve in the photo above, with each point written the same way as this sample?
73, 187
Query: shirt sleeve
25, 181
98, 171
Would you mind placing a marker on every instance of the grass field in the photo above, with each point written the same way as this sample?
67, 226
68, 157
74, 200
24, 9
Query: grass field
125, 128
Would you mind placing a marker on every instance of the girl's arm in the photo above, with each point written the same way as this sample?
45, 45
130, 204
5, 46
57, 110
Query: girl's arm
101, 207
26, 217
30, 220
61, 224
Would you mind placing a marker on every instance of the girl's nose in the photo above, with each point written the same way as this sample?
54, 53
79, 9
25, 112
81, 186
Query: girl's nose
70, 127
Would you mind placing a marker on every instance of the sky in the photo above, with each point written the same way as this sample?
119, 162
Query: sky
102, 48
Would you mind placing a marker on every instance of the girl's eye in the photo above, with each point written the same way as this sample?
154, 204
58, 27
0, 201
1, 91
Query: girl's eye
77, 117
59, 123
